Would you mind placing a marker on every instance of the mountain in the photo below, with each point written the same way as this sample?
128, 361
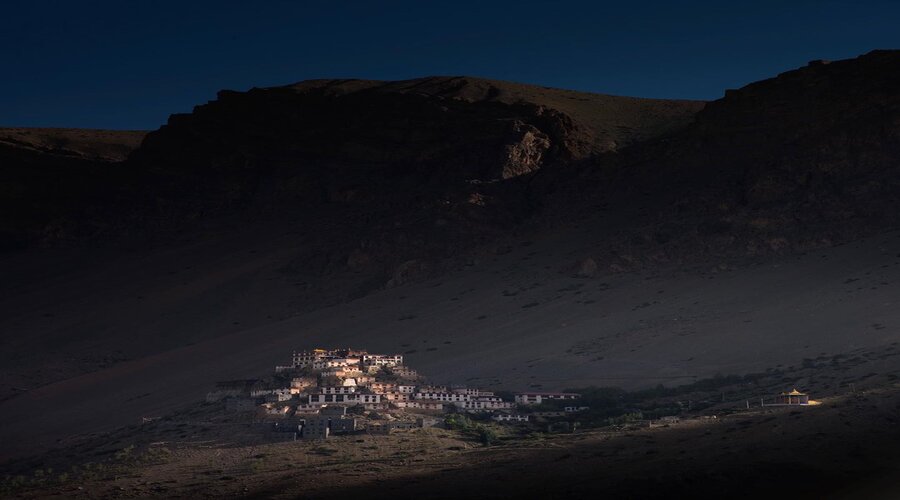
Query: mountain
86, 144
805, 159
386, 179
49, 174
465, 127
503, 234
822, 140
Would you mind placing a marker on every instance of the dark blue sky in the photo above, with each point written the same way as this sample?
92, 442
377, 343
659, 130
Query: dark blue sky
127, 64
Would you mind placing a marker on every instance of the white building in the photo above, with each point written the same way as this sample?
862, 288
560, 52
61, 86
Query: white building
433, 388
504, 417
443, 396
420, 404
382, 359
325, 364
347, 399
382, 387
396, 396
536, 398
472, 391
338, 390
306, 358
476, 405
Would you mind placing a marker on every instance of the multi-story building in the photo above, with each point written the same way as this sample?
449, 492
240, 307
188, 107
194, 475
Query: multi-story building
433, 388
323, 426
306, 358
325, 364
404, 372
338, 390
476, 405
396, 396
368, 399
345, 399
471, 391
382, 359
315, 428
420, 404
382, 387
349, 371
443, 396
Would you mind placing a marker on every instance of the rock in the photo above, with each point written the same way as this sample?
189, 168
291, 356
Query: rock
526, 154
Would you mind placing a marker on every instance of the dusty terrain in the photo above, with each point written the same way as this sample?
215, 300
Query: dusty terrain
843, 448
494, 324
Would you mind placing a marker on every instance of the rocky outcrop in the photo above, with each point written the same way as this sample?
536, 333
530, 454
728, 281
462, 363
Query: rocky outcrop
525, 153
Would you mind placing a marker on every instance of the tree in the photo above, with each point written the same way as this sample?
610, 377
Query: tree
487, 435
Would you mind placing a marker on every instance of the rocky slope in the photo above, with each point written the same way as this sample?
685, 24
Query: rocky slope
824, 135
387, 178
394, 177
805, 159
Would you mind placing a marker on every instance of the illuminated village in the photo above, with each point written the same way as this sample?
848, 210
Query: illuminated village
327, 392
324, 392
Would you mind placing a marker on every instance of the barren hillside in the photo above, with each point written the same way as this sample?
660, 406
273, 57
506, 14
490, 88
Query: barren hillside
499, 234
105, 145
51, 175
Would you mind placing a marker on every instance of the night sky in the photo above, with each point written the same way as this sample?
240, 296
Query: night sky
128, 65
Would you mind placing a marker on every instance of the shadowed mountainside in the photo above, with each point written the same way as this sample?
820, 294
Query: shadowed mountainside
805, 159
53, 174
385, 179
508, 225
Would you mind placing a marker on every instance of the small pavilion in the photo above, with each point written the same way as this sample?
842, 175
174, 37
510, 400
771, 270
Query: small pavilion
794, 397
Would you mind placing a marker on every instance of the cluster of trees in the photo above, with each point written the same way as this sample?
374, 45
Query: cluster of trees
485, 434
613, 406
